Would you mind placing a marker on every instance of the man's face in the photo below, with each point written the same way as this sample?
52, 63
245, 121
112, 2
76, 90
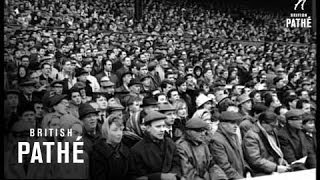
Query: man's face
46, 69
164, 63
143, 70
135, 88
257, 97
90, 121
25, 62
57, 88
183, 87
172, 77
76, 98
309, 126
123, 54
62, 107
305, 95
157, 129
280, 83
293, 104
306, 107
67, 66
208, 74
115, 133
190, 71
127, 78
13, 100
29, 116
83, 77
146, 82
88, 68
230, 127
108, 66
247, 105
171, 115
28, 89
237, 90
175, 95
127, 62
168, 88
38, 107
102, 102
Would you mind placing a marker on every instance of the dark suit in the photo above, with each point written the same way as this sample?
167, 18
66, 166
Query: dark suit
107, 162
113, 77
121, 71
294, 145
227, 153
150, 159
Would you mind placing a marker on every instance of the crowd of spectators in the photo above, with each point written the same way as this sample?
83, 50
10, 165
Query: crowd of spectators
192, 90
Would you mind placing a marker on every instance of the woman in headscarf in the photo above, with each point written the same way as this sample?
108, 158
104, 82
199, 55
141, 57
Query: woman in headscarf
109, 157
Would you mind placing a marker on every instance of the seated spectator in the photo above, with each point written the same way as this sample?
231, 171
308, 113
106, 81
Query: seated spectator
262, 149
109, 157
148, 162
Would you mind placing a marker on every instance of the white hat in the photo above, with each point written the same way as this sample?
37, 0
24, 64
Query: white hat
202, 99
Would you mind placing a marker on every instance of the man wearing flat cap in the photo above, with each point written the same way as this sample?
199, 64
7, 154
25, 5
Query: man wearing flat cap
226, 148
247, 124
13, 169
91, 129
308, 127
196, 159
261, 147
135, 89
294, 142
155, 157
60, 105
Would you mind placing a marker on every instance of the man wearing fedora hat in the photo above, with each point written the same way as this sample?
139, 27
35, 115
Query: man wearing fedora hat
107, 86
11, 107
160, 160
294, 142
245, 106
27, 94
149, 104
91, 130
170, 112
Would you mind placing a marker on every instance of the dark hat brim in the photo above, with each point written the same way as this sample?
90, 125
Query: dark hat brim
89, 112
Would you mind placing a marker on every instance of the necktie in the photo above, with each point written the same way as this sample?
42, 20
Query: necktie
102, 118
170, 132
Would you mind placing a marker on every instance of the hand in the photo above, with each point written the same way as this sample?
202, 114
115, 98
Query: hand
282, 169
168, 176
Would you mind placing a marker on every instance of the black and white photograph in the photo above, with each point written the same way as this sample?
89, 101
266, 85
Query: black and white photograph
160, 89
